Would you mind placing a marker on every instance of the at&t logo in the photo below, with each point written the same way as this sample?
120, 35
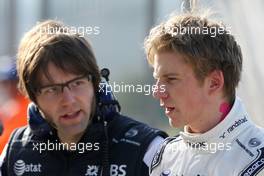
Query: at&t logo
20, 167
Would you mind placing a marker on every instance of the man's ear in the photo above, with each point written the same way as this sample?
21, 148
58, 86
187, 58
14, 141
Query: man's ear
215, 81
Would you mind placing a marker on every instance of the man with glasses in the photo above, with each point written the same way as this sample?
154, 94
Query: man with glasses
74, 129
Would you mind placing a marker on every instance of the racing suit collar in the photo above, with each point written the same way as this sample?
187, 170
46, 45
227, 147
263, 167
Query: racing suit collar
226, 131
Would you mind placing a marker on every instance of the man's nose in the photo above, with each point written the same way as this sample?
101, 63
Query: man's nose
67, 96
160, 91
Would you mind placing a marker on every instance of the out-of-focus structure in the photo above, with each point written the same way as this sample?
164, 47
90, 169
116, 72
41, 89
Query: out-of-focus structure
13, 105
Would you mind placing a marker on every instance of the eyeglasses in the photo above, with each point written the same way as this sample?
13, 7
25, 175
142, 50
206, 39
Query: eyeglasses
53, 91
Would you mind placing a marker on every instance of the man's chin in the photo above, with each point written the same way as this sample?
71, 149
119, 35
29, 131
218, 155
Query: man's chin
73, 129
175, 124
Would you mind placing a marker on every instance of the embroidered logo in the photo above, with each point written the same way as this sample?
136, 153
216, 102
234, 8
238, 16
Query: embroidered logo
20, 167
256, 165
254, 142
92, 170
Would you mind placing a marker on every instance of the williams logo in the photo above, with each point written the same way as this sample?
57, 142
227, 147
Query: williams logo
131, 133
254, 142
20, 167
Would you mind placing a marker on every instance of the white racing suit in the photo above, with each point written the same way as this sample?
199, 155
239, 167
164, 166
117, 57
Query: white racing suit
235, 147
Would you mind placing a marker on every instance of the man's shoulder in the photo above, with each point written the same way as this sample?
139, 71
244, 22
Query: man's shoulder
253, 136
127, 133
19, 133
23, 136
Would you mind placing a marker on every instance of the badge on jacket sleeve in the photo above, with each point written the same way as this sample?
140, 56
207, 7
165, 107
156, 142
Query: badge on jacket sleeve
158, 156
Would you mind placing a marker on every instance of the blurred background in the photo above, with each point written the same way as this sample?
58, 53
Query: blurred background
122, 27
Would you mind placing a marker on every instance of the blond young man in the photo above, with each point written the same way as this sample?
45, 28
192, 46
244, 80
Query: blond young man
199, 64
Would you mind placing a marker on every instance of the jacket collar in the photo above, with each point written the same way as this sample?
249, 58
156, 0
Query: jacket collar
236, 122
37, 124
